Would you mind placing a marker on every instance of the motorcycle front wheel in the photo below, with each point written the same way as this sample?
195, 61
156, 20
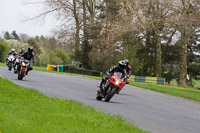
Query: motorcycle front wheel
10, 66
20, 76
111, 92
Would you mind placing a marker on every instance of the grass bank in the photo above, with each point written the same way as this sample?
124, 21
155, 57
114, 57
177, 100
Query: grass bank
28, 111
188, 93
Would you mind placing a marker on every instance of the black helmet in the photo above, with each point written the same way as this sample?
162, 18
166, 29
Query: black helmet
23, 50
30, 49
126, 61
122, 64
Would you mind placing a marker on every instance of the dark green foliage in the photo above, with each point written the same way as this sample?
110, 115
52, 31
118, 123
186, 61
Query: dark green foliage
168, 77
7, 35
129, 52
15, 35
4, 49
85, 60
62, 55
37, 47
194, 70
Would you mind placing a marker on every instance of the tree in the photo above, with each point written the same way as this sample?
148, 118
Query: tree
15, 35
37, 47
186, 22
24, 37
4, 49
62, 55
7, 35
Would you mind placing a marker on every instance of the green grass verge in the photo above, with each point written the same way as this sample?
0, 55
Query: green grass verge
28, 111
188, 93
196, 83
2, 64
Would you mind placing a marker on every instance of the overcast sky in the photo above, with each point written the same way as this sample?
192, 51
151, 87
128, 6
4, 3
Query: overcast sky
12, 13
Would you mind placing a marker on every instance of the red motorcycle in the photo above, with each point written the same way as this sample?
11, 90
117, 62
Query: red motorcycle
23, 68
111, 86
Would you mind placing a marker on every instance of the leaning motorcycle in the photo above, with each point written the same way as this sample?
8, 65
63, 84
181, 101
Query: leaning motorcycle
111, 86
10, 62
17, 62
23, 67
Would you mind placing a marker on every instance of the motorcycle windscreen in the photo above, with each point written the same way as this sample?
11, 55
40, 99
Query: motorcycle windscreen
119, 75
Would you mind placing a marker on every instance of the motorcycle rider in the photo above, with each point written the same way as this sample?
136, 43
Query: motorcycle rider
128, 69
12, 52
121, 67
19, 56
28, 55
22, 52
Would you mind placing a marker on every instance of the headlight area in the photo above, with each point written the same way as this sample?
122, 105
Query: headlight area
23, 64
117, 82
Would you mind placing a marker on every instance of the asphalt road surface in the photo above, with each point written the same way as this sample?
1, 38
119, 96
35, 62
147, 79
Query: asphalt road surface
152, 111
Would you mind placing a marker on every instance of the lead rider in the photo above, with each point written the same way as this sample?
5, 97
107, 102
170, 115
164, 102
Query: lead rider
28, 56
121, 67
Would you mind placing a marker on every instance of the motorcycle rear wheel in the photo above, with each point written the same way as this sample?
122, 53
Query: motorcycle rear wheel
98, 97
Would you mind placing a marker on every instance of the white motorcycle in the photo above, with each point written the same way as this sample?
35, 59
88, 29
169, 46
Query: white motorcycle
10, 62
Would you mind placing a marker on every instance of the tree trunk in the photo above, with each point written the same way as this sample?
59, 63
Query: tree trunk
85, 43
77, 37
158, 57
183, 60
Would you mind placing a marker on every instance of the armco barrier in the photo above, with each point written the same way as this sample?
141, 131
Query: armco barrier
70, 69
81, 71
144, 79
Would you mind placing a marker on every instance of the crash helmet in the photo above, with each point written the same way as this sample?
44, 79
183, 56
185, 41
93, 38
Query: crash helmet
12, 50
23, 50
127, 62
30, 49
122, 64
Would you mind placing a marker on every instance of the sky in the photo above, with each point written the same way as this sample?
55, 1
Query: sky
12, 14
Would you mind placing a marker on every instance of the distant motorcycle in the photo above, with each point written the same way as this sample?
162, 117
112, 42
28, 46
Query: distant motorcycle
10, 62
23, 67
111, 86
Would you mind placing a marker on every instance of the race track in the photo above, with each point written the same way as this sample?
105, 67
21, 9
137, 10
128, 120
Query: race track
152, 111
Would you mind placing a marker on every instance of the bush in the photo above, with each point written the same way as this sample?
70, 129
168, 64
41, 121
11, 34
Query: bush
194, 70
4, 49
36, 45
62, 55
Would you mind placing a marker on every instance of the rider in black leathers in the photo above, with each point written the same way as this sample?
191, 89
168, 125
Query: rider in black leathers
19, 57
120, 68
128, 68
28, 55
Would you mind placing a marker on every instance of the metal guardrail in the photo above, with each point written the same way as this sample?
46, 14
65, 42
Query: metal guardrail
70, 69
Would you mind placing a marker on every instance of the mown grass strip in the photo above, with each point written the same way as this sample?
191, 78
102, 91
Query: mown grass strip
28, 111
188, 93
